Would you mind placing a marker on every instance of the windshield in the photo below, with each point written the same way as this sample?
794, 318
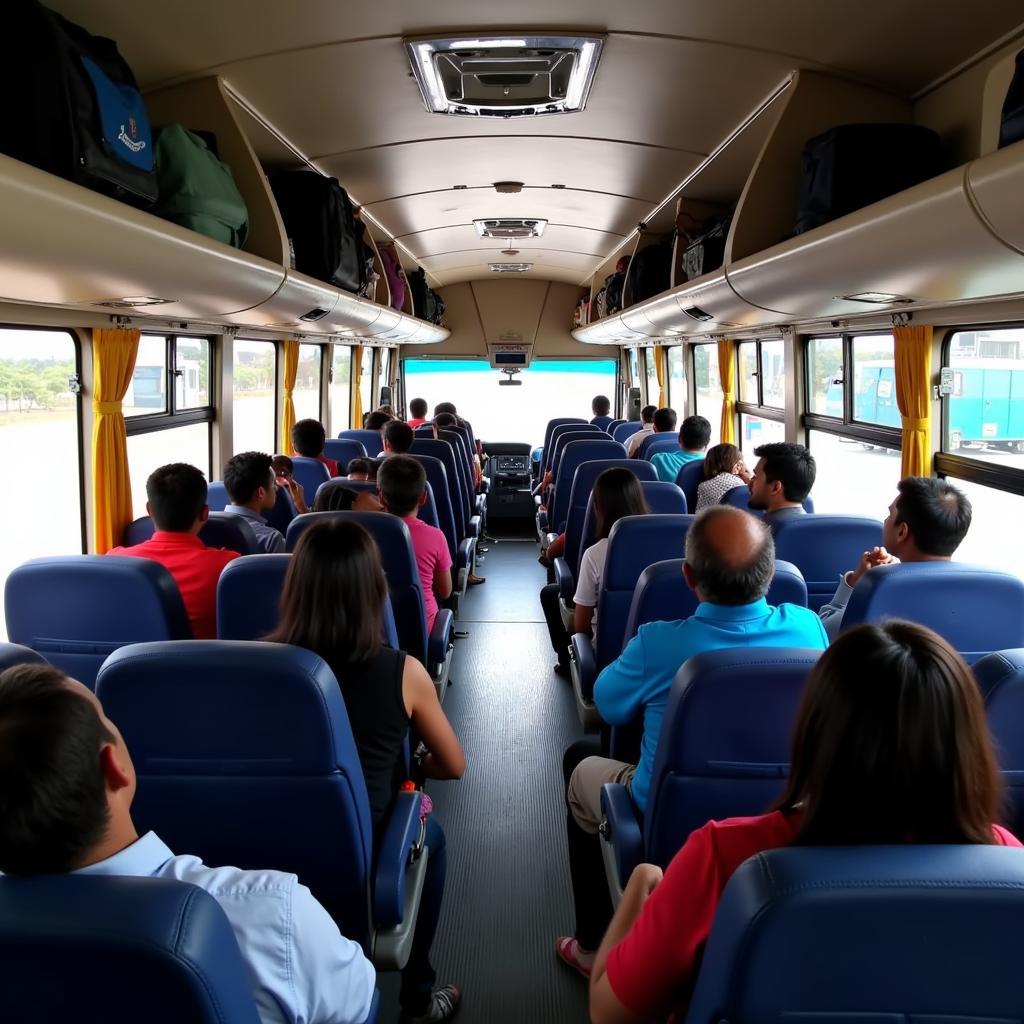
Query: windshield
550, 387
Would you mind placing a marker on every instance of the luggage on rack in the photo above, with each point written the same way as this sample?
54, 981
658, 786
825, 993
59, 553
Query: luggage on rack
649, 272
197, 190
854, 165
368, 269
579, 309
707, 252
426, 303
393, 273
320, 222
1011, 121
72, 105
614, 285
601, 303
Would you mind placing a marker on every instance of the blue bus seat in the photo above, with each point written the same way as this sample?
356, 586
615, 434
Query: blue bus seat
666, 441
824, 547
343, 450
739, 497
221, 530
309, 475
119, 950
217, 497
572, 456
723, 752
603, 422
561, 421
248, 794
977, 610
689, 478
610, 429
1000, 677
17, 654
444, 452
634, 543
625, 430
282, 513
883, 933
369, 439
460, 549
75, 610
427, 511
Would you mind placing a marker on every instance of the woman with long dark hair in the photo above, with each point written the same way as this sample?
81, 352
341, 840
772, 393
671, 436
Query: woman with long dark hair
890, 746
333, 604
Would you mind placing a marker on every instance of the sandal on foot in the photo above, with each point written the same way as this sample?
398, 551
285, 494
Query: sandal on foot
444, 1004
569, 952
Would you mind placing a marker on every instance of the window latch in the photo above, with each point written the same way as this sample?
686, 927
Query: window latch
75, 384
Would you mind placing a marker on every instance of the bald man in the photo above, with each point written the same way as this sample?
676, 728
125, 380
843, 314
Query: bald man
730, 561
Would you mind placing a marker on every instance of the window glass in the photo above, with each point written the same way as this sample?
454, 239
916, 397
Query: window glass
253, 396
825, 377
874, 381
384, 378
550, 387
984, 417
634, 368
755, 431
653, 391
147, 393
746, 358
307, 383
853, 478
991, 512
677, 379
366, 381
773, 374
341, 378
189, 443
191, 373
38, 418
709, 387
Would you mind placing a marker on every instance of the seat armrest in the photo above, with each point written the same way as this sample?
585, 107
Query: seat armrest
464, 554
473, 527
400, 843
485, 484
542, 520
565, 580
440, 636
621, 835
584, 664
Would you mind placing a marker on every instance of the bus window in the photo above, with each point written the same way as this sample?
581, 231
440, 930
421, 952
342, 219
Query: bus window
825, 377
147, 451
677, 379
772, 379
746, 376
709, 387
511, 413
366, 382
653, 390
191, 373
39, 419
755, 431
254, 396
341, 377
874, 381
985, 543
147, 393
307, 383
853, 478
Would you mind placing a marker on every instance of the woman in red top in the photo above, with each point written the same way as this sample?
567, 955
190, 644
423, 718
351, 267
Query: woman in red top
891, 746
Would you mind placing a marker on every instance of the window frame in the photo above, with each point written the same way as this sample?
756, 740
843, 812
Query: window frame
758, 408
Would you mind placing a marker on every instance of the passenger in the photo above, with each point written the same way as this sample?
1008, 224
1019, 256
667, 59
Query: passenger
664, 423
730, 561
601, 407
66, 787
361, 469
177, 505
927, 522
285, 470
634, 441
403, 490
694, 436
724, 469
782, 479
343, 499
445, 407
418, 410
308, 439
332, 604
251, 484
375, 420
890, 747
397, 437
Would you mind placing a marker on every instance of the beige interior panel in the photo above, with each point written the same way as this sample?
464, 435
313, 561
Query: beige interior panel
540, 272
464, 236
581, 263
995, 185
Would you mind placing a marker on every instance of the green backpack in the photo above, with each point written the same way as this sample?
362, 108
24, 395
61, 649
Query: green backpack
197, 190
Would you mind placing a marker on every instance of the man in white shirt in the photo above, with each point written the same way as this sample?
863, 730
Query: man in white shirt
634, 441
66, 789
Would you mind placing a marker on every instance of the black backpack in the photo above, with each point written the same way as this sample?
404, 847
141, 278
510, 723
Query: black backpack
418, 290
72, 106
1011, 123
649, 271
321, 225
369, 274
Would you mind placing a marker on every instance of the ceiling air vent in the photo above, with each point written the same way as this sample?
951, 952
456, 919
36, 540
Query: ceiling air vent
505, 76
510, 268
317, 313
697, 313
510, 227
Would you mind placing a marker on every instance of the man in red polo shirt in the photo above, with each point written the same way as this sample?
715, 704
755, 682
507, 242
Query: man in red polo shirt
177, 505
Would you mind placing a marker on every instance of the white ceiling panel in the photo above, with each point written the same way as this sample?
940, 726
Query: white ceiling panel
464, 236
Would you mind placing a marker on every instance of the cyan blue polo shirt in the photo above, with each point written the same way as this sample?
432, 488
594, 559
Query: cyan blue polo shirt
640, 679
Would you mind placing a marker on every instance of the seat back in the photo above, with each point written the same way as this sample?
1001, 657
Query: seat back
573, 432
662, 593
343, 450
444, 452
667, 441
463, 471
217, 497
610, 429
427, 511
16, 654
309, 475
1000, 678
739, 497
246, 795
634, 543
625, 430
369, 439
559, 421
689, 478
437, 481
977, 610
76, 610
579, 499
221, 530
883, 933
399, 561
824, 547
119, 950
723, 750
283, 512
573, 455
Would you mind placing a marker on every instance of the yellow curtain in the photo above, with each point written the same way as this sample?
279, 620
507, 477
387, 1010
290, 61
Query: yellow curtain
661, 370
113, 363
357, 395
727, 374
291, 371
913, 348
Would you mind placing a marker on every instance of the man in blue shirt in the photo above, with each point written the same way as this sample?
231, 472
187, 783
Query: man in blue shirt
730, 561
251, 483
66, 788
694, 435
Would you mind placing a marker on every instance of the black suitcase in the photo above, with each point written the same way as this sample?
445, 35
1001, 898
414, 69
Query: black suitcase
649, 272
1011, 123
706, 252
72, 105
419, 291
321, 226
854, 165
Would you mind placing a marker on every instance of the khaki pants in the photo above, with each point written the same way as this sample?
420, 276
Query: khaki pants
584, 796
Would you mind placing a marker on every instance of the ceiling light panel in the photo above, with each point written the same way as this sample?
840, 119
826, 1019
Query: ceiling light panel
510, 268
510, 227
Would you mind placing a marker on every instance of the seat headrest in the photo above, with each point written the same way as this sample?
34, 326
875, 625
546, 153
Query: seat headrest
639, 541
